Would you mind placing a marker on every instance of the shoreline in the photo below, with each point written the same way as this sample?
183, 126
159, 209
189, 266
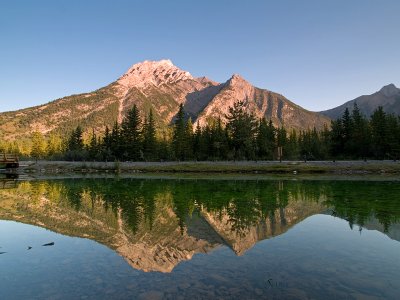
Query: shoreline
211, 167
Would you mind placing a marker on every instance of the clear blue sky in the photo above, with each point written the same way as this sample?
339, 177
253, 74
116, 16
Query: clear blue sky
318, 54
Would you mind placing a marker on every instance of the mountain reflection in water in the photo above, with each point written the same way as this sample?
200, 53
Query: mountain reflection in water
156, 224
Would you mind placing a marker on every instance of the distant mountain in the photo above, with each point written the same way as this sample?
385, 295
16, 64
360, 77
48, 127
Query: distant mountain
163, 87
388, 97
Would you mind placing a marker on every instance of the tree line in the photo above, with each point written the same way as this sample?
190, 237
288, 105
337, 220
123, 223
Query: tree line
243, 137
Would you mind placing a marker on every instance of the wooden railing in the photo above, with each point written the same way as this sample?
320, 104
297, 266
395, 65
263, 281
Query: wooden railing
9, 160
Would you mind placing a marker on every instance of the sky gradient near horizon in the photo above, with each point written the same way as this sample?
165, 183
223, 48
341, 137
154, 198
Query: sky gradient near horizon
319, 54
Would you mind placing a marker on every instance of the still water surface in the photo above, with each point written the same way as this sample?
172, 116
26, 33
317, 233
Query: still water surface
199, 239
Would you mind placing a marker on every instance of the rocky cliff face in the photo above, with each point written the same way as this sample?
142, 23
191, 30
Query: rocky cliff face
163, 87
388, 97
262, 103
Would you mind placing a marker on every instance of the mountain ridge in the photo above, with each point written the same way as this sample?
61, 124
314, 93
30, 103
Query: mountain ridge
388, 97
161, 86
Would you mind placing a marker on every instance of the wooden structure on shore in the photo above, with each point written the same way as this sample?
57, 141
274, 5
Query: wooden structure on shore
9, 161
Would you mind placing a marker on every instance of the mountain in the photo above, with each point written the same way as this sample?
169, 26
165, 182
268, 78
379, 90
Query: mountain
163, 87
261, 102
388, 97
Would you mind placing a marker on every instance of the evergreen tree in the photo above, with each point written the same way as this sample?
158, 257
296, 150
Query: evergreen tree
93, 147
266, 142
219, 141
75, 145
189, 137
282, 141
149, 137
392, 136
325, 142
131, 135
165, 147
242, 128
75, 142
347, 127
292, 147
360, 135
116, 143
106, 145
336, 138
315, 144
197, 143
179, 141
379, 133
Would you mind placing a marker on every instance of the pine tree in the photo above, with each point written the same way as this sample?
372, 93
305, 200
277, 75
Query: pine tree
265, 140
325, 142
282, 140
219, 141
347, 127
242, 128
379, 133
75, 146
106, 145
93, 147
189, 137
360, 135
165, 146
116, 143
131, 134
75, 142
197, 143
292, 148
392, 129
336, 138
149, 137
179, 141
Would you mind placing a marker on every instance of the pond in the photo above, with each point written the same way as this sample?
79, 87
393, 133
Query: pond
138, 238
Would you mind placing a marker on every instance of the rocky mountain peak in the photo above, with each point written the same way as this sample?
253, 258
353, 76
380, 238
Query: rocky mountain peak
153, 73
238, 81
237, 78
390, 90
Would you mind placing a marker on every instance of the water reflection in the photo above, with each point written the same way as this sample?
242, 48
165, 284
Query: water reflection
155, 224
8, 180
